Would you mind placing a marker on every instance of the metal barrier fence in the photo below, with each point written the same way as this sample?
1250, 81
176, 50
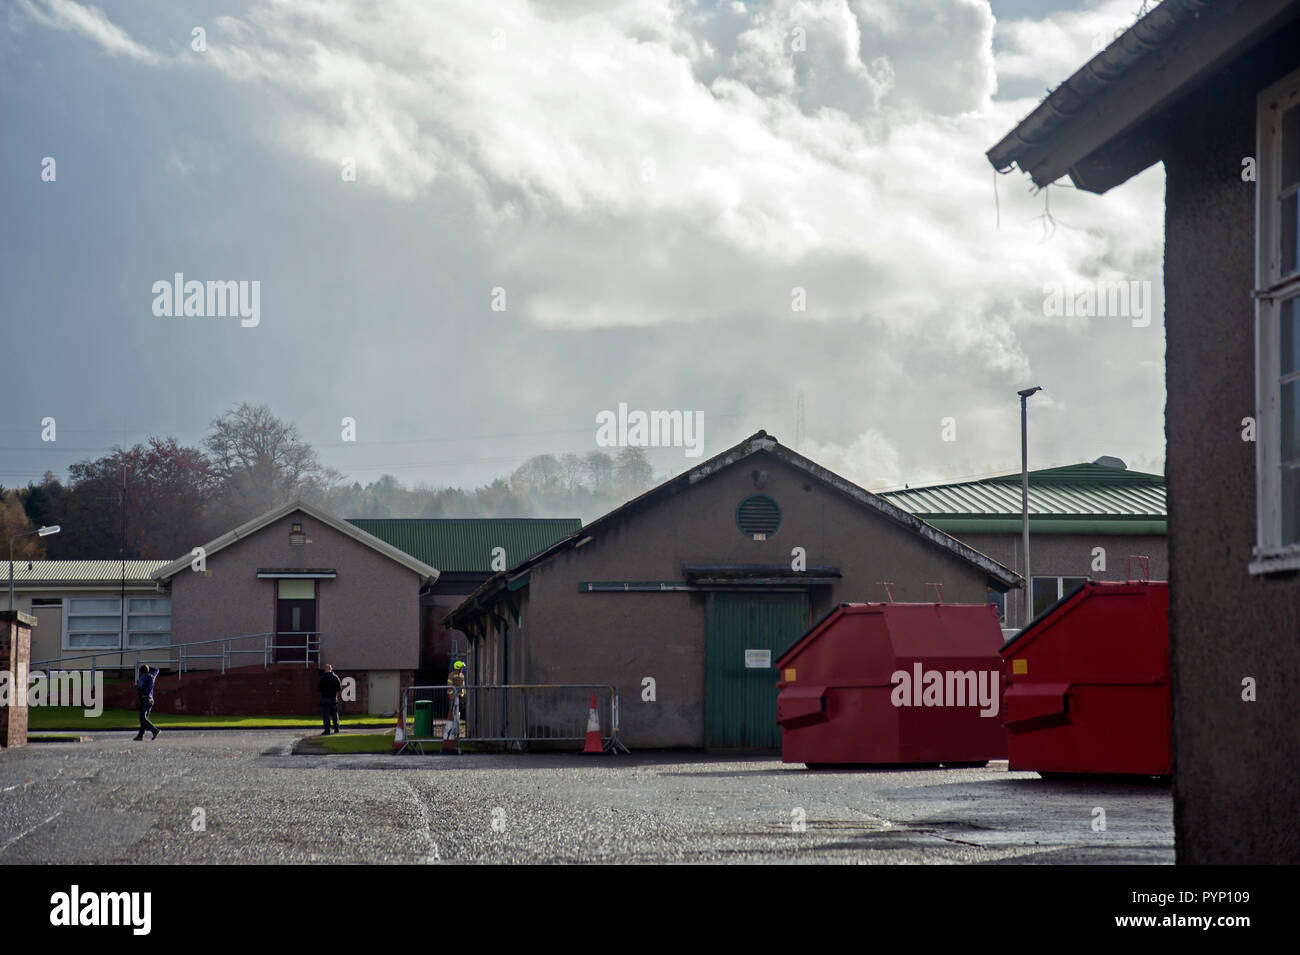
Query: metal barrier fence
515, 714
298, 646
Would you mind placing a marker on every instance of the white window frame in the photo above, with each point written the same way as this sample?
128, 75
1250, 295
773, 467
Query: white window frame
1272, 289
67, 613
123, 616
130, 632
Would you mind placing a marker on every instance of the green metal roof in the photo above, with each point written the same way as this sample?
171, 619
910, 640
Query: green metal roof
1077, 499
466, 544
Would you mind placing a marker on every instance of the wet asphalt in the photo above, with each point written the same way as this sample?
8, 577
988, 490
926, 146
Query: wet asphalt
244, 797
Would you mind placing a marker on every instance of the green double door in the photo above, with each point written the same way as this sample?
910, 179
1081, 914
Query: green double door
744, 634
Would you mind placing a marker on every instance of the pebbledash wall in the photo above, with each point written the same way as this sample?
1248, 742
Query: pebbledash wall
1236, 777
1236, 759
367, 612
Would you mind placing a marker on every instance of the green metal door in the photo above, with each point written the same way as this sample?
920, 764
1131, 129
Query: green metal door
740, 692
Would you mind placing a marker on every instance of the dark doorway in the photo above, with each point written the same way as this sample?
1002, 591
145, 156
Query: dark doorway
295, 620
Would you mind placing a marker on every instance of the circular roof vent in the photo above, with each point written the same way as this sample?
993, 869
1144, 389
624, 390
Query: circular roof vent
758, 516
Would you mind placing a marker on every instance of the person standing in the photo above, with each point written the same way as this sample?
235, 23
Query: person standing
329, 686
144, 693
455, 702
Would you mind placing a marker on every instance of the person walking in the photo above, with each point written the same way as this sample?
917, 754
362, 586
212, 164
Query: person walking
329, 686
144, 693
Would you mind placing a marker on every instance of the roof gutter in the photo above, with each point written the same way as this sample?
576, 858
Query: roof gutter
1154, 62
1005, 525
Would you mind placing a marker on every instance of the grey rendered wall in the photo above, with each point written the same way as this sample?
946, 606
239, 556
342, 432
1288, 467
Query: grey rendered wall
621, 638
369, 616
1236, 764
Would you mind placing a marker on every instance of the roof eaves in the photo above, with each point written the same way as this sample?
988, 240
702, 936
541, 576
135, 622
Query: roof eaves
257, 523
1179, 43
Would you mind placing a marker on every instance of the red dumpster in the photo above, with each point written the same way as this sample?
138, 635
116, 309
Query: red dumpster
894, 683
1087, 683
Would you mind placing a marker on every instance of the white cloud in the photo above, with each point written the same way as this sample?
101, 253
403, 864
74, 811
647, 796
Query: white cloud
613, 157
645, 163
91, 23
605, 172
1052, 49
869, 459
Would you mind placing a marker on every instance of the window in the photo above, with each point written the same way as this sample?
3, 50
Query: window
999, 600
95, 623
1048, 590
1277, 328
92, 623
149, 622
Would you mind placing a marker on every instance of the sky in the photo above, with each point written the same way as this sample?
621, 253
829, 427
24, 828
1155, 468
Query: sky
474, 227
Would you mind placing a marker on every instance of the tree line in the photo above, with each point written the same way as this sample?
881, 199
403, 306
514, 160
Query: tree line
250, 461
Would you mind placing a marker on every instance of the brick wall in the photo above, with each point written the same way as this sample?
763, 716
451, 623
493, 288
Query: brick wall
280, 690
15, 656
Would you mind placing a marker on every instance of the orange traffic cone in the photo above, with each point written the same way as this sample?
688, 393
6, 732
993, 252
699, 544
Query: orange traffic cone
593, 730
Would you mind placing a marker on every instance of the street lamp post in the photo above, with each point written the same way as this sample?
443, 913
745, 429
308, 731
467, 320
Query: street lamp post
1027, 613
40, 532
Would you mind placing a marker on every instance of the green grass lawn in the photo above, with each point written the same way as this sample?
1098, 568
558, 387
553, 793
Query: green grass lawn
42, 718
353, 743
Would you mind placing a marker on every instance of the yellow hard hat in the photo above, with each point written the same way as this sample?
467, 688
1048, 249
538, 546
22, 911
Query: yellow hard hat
458, 665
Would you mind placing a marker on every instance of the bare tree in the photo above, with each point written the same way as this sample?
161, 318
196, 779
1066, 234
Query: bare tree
632, 471
539, 473
260, 460
573, 471
600, 471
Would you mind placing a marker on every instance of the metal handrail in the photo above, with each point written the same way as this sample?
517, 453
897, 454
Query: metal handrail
310, 648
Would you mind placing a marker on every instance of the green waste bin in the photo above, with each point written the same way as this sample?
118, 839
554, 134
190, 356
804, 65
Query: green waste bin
423, 718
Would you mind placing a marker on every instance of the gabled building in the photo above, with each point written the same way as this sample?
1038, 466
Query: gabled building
466, 551
684, 596
310, 586
310, 579
1085, 522
1212, 90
